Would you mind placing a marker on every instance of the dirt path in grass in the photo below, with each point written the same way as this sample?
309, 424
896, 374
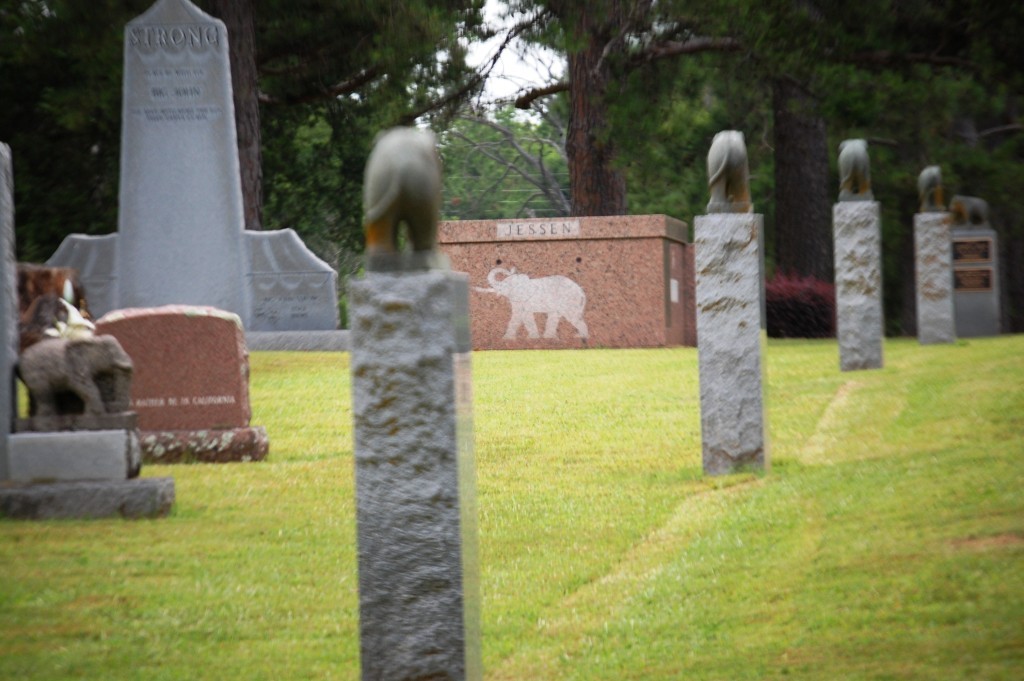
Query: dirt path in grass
571, 623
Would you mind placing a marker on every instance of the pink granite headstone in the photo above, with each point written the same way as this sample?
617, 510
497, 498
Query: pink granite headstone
191, 366
191, 384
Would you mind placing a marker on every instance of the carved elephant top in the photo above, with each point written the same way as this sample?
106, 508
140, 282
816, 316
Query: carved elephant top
969, 211
930, 190
402, 184
729, 174
854, 171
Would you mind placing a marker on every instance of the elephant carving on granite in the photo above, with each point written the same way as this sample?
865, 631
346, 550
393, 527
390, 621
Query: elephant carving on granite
90, 375
402, 185
854, 171
556, 296
729, 174
969, 211
930, 190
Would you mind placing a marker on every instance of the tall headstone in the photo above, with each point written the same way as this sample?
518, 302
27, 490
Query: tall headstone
419, 610
975, 269
731, 333
933, 269
180, 221
8, 305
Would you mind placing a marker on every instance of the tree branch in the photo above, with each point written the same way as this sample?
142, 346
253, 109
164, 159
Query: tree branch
524, 101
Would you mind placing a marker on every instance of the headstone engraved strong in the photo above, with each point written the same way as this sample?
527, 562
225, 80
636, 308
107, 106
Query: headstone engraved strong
181, 218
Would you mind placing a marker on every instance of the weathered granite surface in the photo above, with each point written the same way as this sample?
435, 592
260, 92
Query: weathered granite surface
858, 279
730, 341
205, 446
415, 479
138, 498
8, 302
933, 267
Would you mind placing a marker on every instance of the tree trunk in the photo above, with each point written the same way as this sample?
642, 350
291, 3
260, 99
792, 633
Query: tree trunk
596, 186
803, 221
238, 16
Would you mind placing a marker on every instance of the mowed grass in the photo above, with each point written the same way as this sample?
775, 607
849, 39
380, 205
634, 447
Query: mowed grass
886, 542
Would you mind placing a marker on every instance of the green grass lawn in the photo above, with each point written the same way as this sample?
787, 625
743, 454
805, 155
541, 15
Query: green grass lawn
887, 542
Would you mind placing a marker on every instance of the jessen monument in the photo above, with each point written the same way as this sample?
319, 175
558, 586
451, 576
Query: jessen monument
613, 282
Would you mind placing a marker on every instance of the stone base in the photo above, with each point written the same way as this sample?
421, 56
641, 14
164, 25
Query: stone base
139, 498
205, 446
73, 455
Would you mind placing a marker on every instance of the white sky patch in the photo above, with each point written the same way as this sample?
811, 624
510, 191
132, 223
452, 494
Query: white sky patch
521, 67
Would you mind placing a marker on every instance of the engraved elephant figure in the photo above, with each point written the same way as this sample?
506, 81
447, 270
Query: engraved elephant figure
402, 184
930, 190
854, 171
60, 372
729, 173
969, 211
556, 296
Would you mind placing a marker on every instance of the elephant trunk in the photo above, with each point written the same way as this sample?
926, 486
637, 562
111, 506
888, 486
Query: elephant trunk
492, 276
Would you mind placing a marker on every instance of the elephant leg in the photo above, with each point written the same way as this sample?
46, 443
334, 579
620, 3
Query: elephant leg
44, 402
581, 326
380, 235
551, 326
91, 397
521, 318
422, 233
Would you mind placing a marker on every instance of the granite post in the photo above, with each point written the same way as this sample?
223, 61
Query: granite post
8, 306
933, 269
858, 278
415, 487
730, 340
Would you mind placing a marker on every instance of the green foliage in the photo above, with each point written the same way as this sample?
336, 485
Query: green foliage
885, 542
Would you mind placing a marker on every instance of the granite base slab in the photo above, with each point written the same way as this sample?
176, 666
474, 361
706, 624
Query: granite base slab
83, 499
205, 446
73, 455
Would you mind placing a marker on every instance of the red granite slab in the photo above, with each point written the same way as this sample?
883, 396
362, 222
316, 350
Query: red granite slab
191, 366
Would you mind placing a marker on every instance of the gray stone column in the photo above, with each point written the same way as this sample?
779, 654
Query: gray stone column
933, 268
8, 306
858, 266
730, 341
415, 481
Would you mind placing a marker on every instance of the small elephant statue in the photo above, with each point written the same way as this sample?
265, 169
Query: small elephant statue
90, 375
729, 174
556, 296
969, 211
402, 184
854, 171
930, 190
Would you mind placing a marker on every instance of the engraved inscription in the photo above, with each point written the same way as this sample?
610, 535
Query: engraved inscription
195, 36
972, 279
191, 401
972, 250
538, 230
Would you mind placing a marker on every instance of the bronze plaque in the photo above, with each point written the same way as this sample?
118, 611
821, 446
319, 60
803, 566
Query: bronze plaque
978, 249
973, 279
